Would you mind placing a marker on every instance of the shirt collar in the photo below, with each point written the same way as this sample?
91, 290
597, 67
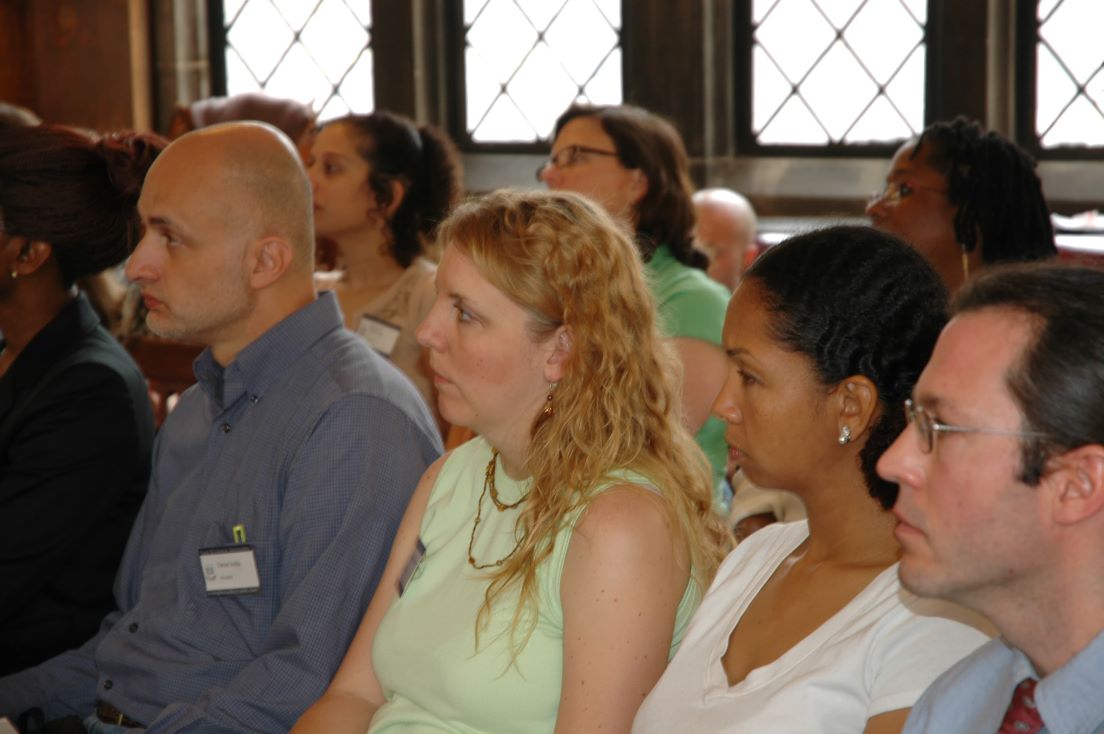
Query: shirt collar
1069, 699
270, 355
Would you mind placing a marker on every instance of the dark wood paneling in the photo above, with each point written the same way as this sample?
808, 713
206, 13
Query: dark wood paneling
81, 53
957, 60
664, 63
16, 78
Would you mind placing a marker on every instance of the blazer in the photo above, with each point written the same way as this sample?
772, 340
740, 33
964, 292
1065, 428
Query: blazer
76, 435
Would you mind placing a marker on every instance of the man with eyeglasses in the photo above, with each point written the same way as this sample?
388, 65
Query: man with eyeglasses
1001, 507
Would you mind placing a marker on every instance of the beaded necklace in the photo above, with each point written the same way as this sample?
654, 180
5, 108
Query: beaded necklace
489, 481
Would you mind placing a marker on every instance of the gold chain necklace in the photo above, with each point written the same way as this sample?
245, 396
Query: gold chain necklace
489, 481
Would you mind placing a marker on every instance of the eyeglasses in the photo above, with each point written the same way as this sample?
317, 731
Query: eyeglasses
927, 427
569, 156
894, 191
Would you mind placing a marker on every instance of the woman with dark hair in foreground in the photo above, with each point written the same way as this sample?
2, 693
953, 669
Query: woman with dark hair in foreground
76, 427
806, 628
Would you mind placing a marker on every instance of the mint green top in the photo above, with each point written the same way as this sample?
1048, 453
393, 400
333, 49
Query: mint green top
424, 654
692, 306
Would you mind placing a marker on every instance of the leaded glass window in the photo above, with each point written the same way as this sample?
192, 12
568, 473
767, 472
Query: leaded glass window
1069, 75
837, 71
525, 61
314, 51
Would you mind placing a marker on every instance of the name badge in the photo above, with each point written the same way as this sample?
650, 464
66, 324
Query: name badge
230, 569
380, 335
412, 566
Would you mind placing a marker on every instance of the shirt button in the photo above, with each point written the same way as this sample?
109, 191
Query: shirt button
133, 627
108, 684
254, 398
225, 427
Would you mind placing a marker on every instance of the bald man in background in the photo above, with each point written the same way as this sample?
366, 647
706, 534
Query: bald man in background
725, 232
278, 480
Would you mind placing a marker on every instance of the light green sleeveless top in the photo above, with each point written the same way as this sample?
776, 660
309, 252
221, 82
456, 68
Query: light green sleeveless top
424, 653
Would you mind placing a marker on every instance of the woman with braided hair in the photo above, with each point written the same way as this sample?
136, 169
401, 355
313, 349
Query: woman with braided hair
964, 198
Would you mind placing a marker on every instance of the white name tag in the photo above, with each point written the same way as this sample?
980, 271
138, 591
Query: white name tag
380, 335
231, 569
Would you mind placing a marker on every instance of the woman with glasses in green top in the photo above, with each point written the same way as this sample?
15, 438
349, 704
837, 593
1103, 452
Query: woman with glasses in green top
634, 164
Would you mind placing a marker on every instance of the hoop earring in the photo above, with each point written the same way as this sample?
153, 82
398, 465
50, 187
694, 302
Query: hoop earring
845, 436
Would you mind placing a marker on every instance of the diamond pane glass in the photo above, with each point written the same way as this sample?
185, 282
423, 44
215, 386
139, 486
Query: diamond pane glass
795, 34
1069, 109
527, 60
822, 90
1080, 124
837, 71
295, 12
314, 51
542, 90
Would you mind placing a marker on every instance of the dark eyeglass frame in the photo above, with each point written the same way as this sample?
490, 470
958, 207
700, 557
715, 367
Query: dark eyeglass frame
927, 427
569, 156
892, 192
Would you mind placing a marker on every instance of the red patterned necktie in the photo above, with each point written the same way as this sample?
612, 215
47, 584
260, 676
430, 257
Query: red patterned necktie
1022, 716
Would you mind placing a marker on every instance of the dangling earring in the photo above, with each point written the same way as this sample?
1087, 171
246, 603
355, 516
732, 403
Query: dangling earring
845, 436
965, 264
548, 410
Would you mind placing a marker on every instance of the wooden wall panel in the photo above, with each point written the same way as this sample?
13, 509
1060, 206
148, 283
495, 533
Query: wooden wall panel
15, 72
77, 62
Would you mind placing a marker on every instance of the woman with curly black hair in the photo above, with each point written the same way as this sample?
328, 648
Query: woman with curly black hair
965, 198
381, 186
805, 627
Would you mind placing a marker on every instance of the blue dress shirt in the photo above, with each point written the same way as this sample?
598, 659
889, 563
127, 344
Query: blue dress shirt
973, 696
314, 444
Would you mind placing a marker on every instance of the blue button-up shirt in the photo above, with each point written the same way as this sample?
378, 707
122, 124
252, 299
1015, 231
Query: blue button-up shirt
314, 444
973, 696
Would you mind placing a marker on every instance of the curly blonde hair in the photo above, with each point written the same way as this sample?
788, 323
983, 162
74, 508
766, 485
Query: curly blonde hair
564, 260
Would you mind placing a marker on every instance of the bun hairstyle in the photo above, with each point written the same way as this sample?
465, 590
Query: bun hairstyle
856, 301
424, 160
75, 192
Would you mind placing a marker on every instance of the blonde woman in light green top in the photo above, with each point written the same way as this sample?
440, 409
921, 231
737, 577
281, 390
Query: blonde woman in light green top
543, 572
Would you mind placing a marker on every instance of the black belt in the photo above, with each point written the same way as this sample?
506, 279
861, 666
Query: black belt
108, 714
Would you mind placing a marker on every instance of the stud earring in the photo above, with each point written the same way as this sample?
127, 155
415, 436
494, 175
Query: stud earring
845, 436
14, 275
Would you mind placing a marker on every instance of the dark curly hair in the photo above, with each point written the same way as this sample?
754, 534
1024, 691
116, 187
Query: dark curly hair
75, 192
993, 183
649, 143
424, 160
857, 301
1058, 381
